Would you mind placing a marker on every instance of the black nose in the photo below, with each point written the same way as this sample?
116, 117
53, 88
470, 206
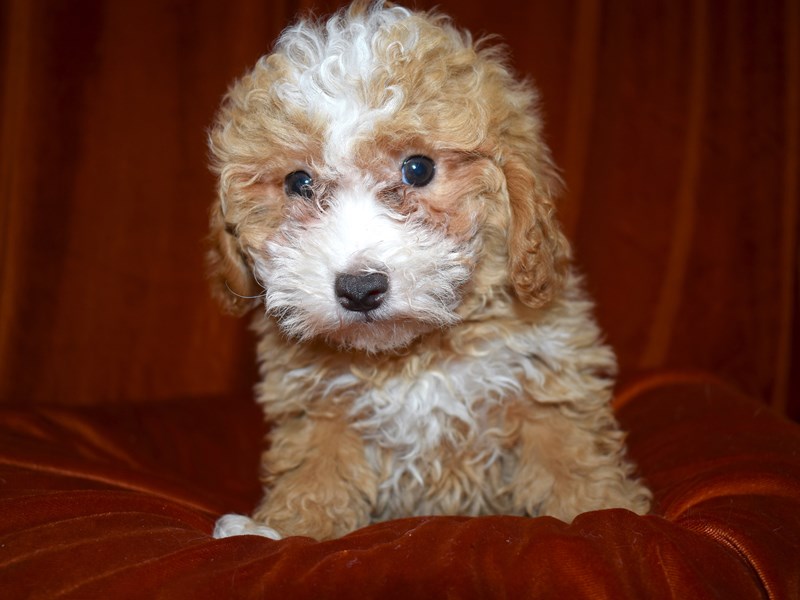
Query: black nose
361, 293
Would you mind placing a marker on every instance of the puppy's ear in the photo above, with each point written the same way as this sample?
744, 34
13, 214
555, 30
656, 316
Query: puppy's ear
232, 282
539, 254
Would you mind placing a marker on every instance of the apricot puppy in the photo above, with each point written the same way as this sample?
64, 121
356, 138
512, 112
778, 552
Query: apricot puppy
386, 202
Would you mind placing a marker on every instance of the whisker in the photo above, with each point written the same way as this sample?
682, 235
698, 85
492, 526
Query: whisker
238, 295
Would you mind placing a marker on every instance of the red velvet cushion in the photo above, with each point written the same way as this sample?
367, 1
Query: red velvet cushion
120, 502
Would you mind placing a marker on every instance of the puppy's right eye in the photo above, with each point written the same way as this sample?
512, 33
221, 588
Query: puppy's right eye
299, 183
417, 171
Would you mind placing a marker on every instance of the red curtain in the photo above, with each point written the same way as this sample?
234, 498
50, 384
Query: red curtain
676, 123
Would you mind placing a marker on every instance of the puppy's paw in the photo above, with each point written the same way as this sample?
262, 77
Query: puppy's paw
231, 525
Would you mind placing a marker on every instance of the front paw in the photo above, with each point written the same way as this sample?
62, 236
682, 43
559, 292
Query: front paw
231, 525
322, 520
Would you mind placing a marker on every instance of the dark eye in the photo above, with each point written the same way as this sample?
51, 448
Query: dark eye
417, 170
299, 183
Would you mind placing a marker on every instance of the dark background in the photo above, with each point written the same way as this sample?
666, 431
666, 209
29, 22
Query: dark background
676, 124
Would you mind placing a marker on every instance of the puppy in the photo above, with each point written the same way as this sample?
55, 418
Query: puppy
386, 200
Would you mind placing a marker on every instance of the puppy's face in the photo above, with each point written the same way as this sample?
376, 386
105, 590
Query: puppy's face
369, 254
367, 173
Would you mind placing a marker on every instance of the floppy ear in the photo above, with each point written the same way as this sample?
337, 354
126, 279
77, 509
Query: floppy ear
232, 282
539, 254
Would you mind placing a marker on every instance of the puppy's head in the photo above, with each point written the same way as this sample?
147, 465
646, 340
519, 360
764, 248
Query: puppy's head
376, 170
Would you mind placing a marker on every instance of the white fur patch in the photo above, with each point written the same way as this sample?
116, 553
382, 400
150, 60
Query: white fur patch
411, 415
332, 71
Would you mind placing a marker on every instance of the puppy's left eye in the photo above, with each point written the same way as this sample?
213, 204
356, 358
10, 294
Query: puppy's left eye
299, 183
417, 170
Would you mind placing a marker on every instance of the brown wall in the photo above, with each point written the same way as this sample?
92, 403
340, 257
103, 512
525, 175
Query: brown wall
677, 124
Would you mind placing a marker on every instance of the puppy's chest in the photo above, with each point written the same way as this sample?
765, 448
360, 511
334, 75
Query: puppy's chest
431, 435
413, 416
449, 401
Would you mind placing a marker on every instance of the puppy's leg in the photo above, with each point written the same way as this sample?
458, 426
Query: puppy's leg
570, 463
317, 479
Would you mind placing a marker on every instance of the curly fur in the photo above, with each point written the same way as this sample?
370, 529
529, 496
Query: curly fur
480, 384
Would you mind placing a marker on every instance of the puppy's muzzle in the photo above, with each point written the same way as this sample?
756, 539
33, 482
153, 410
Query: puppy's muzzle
361, 293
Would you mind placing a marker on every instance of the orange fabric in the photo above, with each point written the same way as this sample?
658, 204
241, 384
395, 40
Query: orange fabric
120, 502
